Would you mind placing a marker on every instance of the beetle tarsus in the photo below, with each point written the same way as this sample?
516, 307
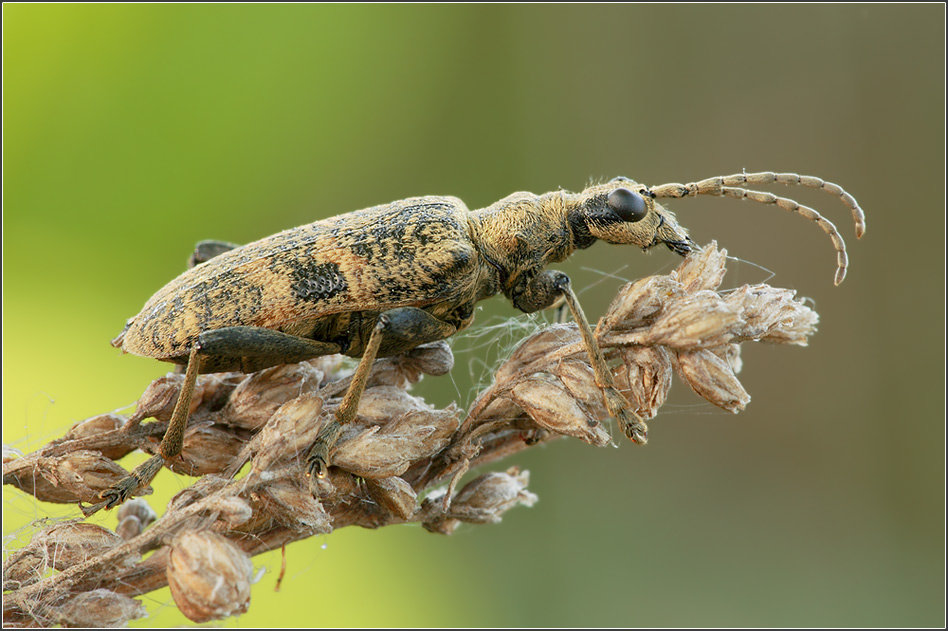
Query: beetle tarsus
317, 463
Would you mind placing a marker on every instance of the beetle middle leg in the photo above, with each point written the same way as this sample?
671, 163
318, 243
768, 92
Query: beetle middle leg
541, 292
395, 331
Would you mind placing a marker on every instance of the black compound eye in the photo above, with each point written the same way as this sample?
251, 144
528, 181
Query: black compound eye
628, 205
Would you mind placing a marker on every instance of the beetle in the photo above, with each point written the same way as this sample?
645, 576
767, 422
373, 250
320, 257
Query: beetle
380, 281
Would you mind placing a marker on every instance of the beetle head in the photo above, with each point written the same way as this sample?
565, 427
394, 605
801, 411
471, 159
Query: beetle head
624, 211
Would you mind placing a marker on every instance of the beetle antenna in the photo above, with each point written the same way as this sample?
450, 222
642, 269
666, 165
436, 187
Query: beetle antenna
732, 186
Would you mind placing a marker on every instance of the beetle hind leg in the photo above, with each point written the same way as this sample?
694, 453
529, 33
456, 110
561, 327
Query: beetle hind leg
244, 348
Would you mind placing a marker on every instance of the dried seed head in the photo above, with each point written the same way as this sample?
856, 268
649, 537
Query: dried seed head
291, 429
333, 367
638, 304
24, 567
233, 511
711, 377
482, 501
394, 495
644, 377
71, 543
772, 315
380, 404
382, 452
99, 425
209, 576
702, 269
405, 369
161, 395
552, 406
59, 546
158, 399
287, 501
134, 516
99, 608
207, 449
580, 380
700, 320
255, 400
75, 477
537, 348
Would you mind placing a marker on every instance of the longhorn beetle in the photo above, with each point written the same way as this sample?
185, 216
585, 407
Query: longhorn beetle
380, 281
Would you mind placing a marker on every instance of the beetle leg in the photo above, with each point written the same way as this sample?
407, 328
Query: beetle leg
170, 446
395, 331
543, 291
251, 348
245, 348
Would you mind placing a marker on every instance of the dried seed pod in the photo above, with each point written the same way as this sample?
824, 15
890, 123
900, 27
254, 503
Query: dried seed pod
99, 425
287, 501
482, 501
580, 381
394, 495
551, 405
71, 543
99, 608
700, 320
381, 452
160, 396
380, 404
405, 369
702, 269
485, 498
75, 477
158, 399
233, 511
501, 409
209, 576
59, 546
712, 378
201, 488
255, 400
291, 429
644, 377
134, 516
639, 303
772, 315
537, 347
207, 449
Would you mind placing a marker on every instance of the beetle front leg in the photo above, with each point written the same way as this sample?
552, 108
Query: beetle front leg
542, 292
395, 331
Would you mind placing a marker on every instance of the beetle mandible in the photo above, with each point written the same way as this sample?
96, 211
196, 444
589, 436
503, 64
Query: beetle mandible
381, 281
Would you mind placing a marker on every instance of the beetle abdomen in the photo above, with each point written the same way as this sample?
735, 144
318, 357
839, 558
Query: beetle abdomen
414, 252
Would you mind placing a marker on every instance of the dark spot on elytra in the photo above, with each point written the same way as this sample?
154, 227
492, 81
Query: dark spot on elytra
313, 282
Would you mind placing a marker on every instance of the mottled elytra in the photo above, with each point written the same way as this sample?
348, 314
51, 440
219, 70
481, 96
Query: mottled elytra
381, 281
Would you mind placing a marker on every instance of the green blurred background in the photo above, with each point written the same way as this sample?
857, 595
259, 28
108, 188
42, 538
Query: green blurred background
131, 132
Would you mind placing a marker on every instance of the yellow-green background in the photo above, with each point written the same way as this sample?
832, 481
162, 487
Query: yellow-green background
131, 132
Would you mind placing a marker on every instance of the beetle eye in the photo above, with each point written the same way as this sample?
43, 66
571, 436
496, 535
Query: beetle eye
628, 205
